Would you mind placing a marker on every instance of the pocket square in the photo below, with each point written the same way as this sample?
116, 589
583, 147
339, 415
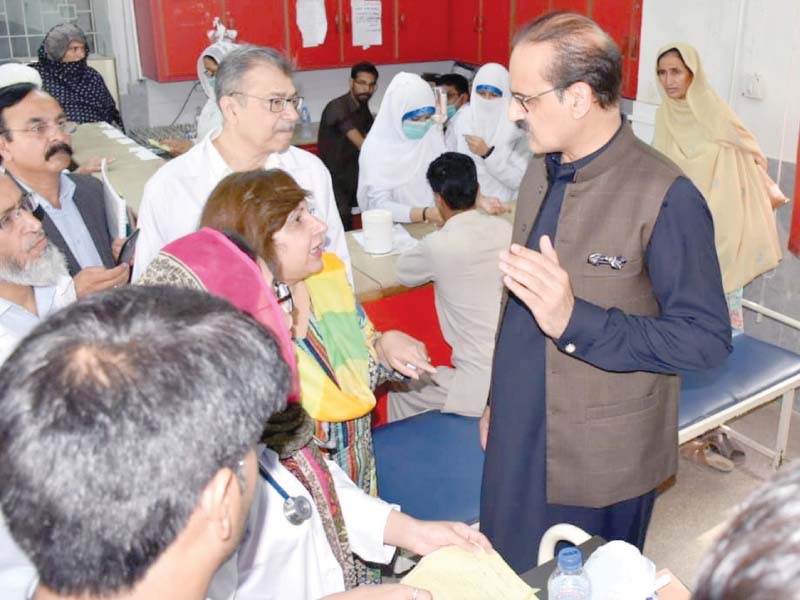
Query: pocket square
615, 262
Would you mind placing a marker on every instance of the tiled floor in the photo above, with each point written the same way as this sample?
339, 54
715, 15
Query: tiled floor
694, 507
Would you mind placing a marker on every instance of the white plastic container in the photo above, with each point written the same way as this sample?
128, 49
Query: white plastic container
377, 225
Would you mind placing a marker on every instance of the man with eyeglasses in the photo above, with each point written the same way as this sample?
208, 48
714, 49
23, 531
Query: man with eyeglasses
33, 273
259, 104
613, 287
457, 89
35, 145
344, 124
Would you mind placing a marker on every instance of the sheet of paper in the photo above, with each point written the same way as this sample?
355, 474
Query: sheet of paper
367, 23
125, 140
455, 574
113, 133
116, 210
401, 240
312, 21
145, 154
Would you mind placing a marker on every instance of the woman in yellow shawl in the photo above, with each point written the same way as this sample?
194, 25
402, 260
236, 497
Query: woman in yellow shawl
703, 136
340, 357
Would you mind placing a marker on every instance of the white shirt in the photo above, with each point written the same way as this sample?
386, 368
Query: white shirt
280, 560
16, 322
174, 198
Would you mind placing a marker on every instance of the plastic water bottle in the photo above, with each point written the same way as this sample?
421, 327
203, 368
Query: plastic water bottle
569, 581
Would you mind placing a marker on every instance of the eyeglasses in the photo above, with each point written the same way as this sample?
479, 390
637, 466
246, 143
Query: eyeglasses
276, 105
25, 204
524, 100
42, 130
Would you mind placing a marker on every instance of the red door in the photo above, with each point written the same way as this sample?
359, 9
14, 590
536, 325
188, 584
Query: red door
329, 53
528, 10
422, 30
374, 54
172, 33
622, 20
496, 31
465, 36
260, 22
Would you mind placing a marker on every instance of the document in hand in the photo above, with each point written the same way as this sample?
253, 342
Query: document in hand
455, 574
116, 209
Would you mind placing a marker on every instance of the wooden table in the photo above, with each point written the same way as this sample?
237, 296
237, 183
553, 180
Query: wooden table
127, 173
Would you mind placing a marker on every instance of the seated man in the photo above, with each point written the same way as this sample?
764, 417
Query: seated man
128, 461
35, 147
457, 88
343, 126
461, 260
33, 274
259, 105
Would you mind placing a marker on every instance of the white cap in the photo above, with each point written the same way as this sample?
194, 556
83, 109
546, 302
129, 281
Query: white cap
11, 73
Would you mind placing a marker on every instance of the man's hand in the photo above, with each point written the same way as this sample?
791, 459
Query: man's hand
96, 279
483, 426
116, 247
432, 215
539, 281
90, 166
401, 352
491, 205
423, 537
387, 591
477, 145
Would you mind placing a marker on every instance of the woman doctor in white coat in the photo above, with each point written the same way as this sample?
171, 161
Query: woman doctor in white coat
497, 146
394, 159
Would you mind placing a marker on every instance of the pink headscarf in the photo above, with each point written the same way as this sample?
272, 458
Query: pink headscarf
218, 266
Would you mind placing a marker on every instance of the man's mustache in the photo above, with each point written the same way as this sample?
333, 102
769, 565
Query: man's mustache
56, 148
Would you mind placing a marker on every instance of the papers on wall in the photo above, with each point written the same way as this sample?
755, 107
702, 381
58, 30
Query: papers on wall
312, 21
367, 23
116, 210
454, 574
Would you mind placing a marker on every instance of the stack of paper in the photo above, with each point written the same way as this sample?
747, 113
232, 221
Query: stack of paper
455, 574
116, 209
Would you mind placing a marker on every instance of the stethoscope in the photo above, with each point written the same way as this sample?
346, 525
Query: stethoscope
296, 509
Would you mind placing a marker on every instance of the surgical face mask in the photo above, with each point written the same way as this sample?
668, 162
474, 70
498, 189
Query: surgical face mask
211, 81
416, 130
451, 111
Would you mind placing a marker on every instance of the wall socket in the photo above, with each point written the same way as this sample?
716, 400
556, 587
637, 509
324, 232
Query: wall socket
754, 86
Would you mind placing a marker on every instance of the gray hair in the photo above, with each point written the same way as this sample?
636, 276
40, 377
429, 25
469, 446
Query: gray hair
582, 52
60, 37
239, 62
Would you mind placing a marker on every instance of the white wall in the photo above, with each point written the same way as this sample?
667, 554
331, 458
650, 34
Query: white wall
735, 39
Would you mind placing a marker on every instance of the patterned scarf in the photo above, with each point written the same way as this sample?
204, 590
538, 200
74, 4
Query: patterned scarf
336, 389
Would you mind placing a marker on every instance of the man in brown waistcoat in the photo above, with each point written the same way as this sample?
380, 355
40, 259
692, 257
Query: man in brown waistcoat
613, 286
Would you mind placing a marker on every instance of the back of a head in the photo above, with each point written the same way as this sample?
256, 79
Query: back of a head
582, 52
459, 82
453, 176
115, 413
758, 555
237, 63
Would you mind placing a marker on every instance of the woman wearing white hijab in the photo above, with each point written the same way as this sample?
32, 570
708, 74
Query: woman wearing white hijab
485, 133
210, 118
394, 159
703, 136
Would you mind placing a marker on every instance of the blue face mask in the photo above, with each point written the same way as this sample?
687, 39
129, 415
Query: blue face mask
451, 111
416, 130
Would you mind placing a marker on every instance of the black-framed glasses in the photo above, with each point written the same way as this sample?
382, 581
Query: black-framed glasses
276, 104
43, 128
10, 218
524, 100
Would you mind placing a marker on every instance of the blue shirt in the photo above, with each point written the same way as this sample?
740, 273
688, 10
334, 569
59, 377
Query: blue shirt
69, 222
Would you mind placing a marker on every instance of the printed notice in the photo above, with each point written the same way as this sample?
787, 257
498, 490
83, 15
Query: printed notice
367, 23
312, 21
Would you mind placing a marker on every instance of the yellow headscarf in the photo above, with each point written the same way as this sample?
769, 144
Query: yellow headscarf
704, 137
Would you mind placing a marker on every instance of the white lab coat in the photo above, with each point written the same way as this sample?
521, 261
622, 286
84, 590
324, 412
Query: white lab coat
279, 560
175, 196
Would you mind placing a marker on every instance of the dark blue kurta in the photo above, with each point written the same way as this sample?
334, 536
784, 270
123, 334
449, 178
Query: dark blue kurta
693, 331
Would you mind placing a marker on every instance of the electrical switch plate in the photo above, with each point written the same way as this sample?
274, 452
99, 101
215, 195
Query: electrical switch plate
754, 87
